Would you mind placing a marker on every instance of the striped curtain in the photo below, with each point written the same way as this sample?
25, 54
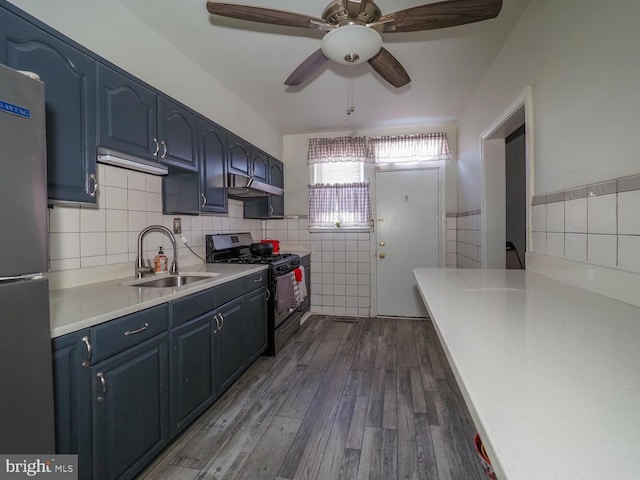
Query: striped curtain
411, 148
341, 149
340, 205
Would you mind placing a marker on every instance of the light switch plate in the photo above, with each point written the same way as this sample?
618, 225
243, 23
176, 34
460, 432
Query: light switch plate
177, 226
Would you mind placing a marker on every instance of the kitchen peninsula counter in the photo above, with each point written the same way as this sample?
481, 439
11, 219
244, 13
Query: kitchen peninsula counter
72, 309
550, 372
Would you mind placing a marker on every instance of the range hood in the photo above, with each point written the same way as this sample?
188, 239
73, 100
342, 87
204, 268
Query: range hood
118, 159
243, 186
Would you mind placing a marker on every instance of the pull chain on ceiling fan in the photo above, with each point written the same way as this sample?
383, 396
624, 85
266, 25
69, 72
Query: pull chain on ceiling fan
354, 29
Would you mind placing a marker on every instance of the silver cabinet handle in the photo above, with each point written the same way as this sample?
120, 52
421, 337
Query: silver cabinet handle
204, 199
93, 178
164, 147
267, 295
217, 321
103, 382
138, 330
155, 140
257, 280
270, 209
87, 361
221, 321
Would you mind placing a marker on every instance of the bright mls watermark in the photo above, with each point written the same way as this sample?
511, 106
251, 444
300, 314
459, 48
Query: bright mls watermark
51, 467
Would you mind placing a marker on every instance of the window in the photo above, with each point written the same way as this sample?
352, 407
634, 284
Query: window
338, 192
337, 172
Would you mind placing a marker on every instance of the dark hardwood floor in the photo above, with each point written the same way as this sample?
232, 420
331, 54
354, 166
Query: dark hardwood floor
374, 399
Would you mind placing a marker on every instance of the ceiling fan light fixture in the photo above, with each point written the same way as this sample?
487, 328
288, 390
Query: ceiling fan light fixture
351, 44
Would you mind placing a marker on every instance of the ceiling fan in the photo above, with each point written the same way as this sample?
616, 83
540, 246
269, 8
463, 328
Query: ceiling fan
353, 30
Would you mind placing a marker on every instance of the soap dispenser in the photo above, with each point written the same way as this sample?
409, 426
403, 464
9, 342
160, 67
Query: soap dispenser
160, 262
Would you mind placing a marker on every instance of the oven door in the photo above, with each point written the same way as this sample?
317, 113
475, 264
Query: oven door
287, 328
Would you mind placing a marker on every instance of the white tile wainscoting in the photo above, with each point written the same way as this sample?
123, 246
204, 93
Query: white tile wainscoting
464, 240
93, 239
128, 201
597, 224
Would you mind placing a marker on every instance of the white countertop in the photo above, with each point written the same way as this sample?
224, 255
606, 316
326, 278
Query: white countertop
72, 309
550, 372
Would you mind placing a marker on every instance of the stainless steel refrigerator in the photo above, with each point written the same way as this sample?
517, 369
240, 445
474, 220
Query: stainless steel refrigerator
26, 381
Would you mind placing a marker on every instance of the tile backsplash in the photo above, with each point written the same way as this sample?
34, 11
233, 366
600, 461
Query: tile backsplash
128, 201
597, 224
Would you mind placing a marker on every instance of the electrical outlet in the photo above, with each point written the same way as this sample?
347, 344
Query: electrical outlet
177, 226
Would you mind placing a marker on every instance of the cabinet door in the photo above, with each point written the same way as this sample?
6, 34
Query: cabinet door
130, 409
276, 177
177, 132
69, 78
191, 360
127, 115
72, 398
254, 326
229, 363
239, 155
212, 144
259, 165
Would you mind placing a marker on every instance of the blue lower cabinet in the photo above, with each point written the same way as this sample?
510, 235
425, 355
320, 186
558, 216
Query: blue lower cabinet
192, 385
254, 325
130, 409
228, 359
72, 391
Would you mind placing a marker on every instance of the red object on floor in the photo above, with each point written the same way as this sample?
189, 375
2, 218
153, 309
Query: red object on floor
298, 274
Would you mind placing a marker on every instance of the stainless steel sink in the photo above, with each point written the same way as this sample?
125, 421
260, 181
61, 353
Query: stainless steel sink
170, 281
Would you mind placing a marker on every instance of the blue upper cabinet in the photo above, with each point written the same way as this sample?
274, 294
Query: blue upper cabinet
128, 115
177, 133
69, 78
239, 155
141, 123
259, 165
212, 141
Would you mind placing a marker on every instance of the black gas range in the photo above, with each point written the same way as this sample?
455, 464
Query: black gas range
235, 248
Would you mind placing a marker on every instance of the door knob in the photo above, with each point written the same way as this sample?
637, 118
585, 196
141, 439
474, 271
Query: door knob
381, 244
382, 255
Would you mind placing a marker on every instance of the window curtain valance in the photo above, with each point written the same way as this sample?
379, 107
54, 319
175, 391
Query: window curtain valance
393, 149
411, 148
341, 149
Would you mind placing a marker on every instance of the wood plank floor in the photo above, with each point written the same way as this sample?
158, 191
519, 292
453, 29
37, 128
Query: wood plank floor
374, 399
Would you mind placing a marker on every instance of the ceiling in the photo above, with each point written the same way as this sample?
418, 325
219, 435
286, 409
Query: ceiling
252, 60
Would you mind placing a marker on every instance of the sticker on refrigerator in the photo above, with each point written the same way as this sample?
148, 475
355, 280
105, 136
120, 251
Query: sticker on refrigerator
15, 109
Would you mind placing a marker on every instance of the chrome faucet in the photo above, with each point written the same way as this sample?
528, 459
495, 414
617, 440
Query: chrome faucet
141, 268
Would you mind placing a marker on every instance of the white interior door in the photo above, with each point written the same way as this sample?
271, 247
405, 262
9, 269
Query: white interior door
407, 237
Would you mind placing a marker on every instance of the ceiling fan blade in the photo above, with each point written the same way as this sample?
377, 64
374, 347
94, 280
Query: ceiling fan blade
449, 13
389, 68
307, 68
266, 15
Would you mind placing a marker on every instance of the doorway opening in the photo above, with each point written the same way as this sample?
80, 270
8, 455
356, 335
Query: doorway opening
495, 195
516, 198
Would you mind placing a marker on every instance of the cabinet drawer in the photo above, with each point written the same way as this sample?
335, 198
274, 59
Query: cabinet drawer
230, 290
256, 280
193, 306
118, 335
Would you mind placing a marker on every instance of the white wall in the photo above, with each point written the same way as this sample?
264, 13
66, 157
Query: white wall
295, 148
113, 32
580, 57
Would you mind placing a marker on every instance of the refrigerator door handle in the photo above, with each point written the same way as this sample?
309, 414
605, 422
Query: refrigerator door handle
87, 361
